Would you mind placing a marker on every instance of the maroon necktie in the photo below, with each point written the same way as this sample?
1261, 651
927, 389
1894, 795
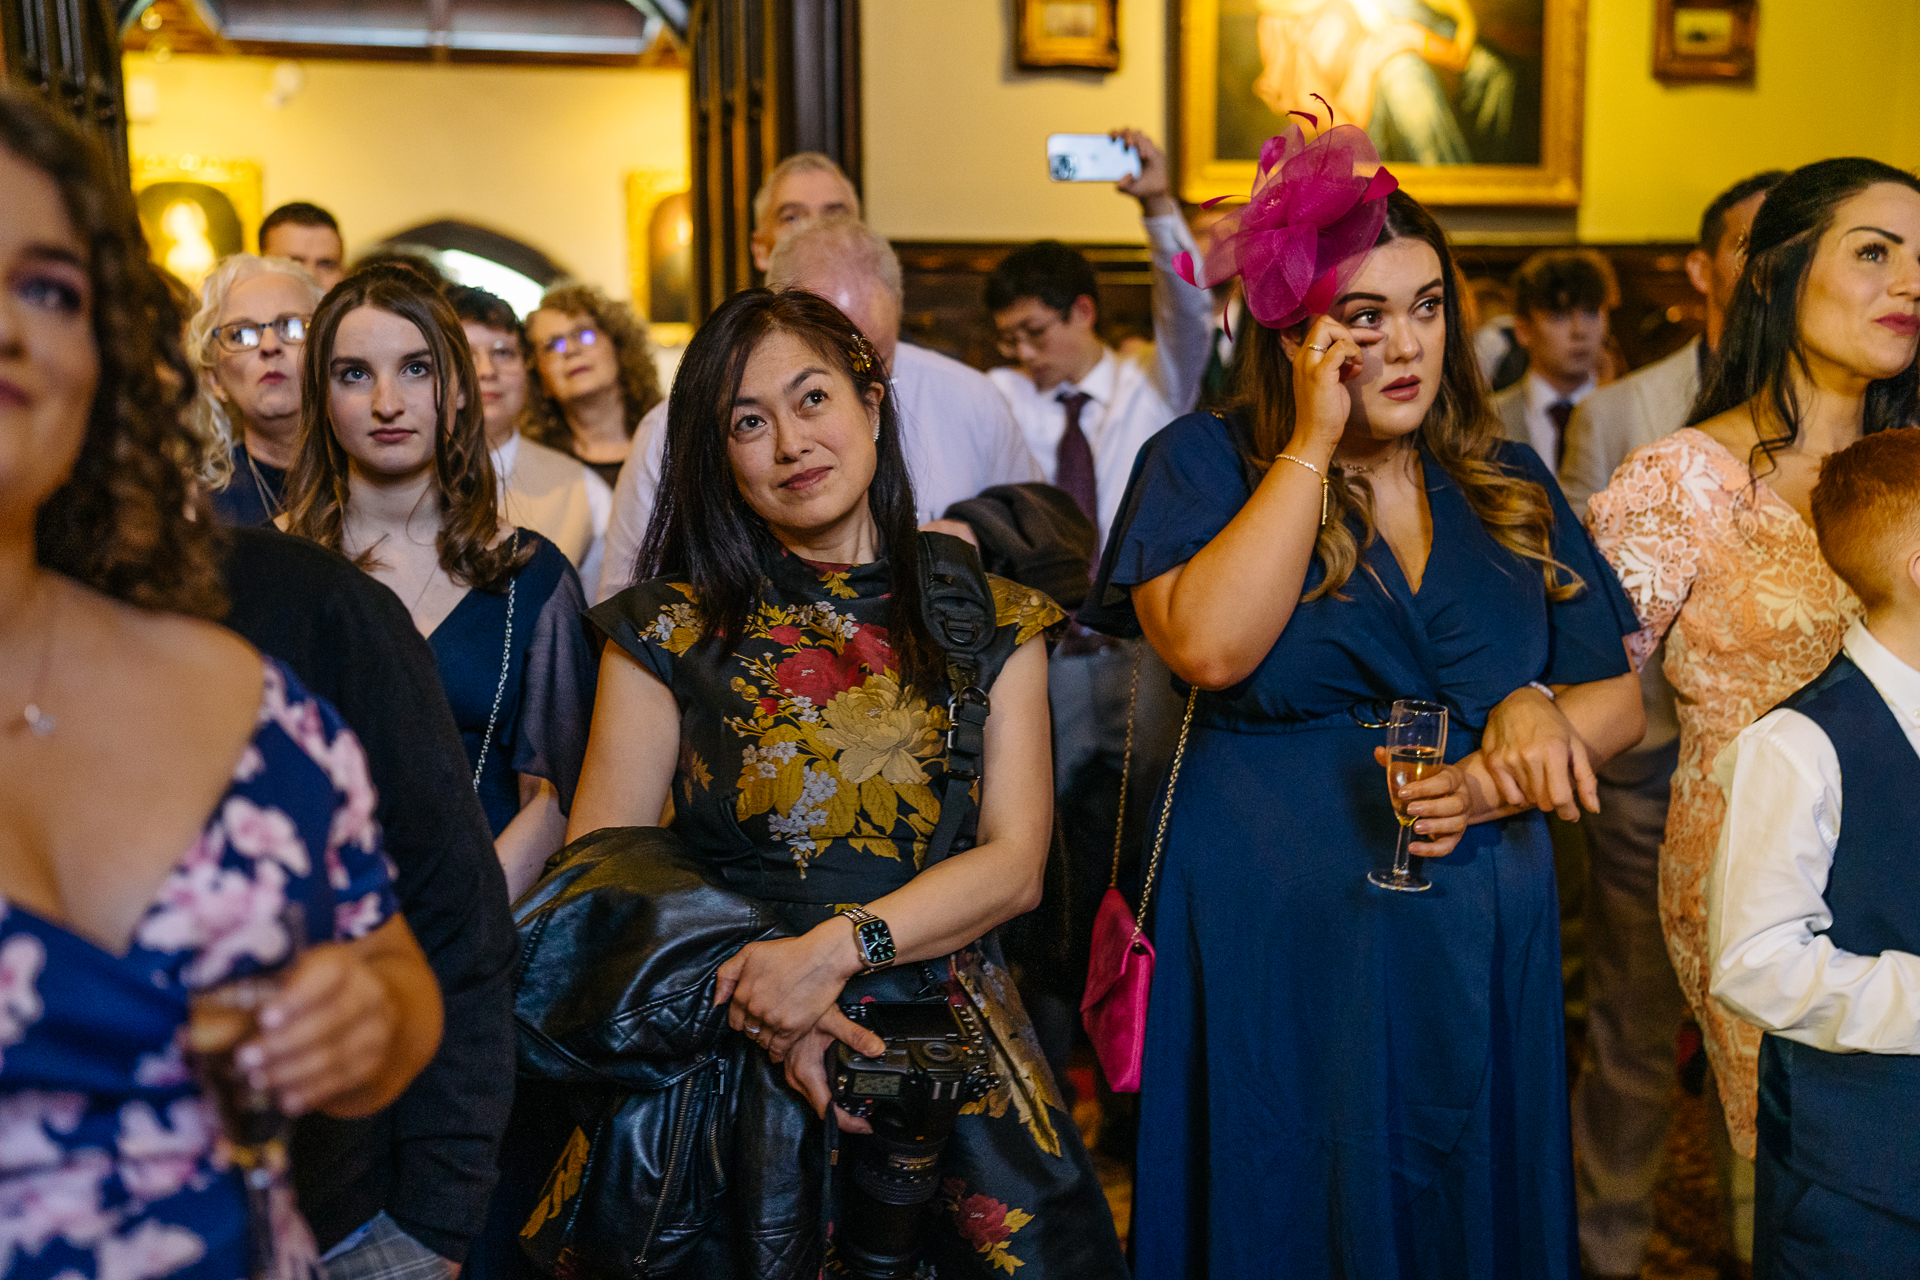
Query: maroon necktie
1073, 462
1561, 412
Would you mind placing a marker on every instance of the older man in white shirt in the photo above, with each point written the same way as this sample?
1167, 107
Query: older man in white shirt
955, 429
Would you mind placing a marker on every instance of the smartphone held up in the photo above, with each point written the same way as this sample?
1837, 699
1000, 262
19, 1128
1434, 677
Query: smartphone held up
1090, 157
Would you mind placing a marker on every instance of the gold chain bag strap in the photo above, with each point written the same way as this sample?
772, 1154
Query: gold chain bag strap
1120, 972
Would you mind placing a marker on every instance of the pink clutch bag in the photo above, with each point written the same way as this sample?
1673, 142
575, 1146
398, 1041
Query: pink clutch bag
1115, 1007
1120, 972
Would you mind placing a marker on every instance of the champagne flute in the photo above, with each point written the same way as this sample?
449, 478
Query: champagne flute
1416, 747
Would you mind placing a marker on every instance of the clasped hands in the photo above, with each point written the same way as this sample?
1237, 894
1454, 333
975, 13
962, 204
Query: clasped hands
784, 994
1530, 757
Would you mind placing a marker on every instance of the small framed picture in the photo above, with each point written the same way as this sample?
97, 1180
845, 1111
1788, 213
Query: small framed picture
1067, 33
1705, 40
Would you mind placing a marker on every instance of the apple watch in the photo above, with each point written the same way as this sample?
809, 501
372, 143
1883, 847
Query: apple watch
871, 935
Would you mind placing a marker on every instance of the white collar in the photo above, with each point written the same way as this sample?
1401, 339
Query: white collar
1098, 383
1542, 394
1897, 683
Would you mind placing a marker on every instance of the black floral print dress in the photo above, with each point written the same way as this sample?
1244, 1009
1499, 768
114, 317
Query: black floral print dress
811, 777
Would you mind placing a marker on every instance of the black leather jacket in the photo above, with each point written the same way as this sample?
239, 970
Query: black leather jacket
687, 1155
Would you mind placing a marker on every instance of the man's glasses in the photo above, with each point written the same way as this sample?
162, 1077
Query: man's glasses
245, 335
497, 354
564, 343
1010, 341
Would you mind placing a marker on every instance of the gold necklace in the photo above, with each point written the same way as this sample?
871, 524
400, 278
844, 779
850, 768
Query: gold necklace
1351, 468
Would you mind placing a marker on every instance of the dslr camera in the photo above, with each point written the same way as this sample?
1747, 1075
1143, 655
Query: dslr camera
936, 1062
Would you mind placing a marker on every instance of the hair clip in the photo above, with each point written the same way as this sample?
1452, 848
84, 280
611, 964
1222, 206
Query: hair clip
862, 356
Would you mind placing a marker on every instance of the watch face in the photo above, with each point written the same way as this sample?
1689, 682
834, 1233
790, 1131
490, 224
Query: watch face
876, 941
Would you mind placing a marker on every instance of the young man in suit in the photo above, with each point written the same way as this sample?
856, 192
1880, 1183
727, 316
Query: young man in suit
1621, 1102
1560, 302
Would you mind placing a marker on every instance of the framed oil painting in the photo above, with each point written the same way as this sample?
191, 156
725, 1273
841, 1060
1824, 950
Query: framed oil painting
1067, 33
1470, 102
196, 210
660, 252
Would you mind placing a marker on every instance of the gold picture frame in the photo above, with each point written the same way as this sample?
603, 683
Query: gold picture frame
1519, 137
1050, 34
1705, 41
196, 210
656, 283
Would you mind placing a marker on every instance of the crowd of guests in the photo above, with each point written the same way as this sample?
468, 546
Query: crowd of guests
491, 601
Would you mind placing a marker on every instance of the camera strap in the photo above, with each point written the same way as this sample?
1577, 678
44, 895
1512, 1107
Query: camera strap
956, 603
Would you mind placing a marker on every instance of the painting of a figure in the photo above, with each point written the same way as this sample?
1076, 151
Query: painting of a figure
1480, 92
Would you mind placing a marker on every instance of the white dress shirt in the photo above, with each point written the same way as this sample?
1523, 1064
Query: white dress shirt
1541, 396
599, 503
1132, 399
1766, 887
955, 430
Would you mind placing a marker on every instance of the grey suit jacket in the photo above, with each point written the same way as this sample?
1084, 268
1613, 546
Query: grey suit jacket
1510, 406
1646, 405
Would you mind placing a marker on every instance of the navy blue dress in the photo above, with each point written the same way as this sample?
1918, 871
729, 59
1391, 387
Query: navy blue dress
547, 697
1341, 1080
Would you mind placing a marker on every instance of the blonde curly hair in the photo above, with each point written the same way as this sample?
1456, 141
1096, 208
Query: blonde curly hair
208, 416
543, 420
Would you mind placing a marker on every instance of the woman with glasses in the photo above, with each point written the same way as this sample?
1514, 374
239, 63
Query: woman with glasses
245, 343
597, 378
541, 488
392, 472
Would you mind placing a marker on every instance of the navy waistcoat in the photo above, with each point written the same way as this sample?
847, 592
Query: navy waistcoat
1845, 1120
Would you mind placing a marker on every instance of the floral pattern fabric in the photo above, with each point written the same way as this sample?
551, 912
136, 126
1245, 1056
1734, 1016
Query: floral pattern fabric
1729, 574
811, 776
110, 1161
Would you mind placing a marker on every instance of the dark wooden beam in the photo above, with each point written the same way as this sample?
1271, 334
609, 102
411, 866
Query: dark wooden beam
68, 51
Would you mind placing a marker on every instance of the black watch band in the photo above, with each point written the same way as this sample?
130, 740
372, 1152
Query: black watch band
871, 935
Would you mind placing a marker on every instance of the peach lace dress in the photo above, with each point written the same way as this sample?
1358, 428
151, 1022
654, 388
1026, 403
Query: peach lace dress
1727, 571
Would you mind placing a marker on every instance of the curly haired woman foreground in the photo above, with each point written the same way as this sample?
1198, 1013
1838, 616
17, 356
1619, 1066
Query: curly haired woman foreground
175, 812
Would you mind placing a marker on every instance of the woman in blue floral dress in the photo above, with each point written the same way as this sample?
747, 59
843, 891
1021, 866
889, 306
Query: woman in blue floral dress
772, 678
174, 809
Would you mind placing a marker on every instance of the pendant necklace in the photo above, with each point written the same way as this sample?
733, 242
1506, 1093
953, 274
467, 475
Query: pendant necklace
1354, 469
40, 722
267, 500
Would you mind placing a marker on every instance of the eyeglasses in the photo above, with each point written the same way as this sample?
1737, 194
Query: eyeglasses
497, 354
564, 343
1010, 341
245, 335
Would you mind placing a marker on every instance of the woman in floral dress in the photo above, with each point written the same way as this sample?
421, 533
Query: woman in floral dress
772, 681
175, 811
1710, 531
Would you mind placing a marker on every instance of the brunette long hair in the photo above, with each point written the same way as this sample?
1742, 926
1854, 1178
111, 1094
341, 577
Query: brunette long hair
1762, 337
703, 529
462, 470
1460, 432
126, 522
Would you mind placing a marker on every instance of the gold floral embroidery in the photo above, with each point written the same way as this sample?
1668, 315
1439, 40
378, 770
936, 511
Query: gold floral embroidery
1033, 611
876, 730
677, 626
836, 585
1024, 1079
984, 1223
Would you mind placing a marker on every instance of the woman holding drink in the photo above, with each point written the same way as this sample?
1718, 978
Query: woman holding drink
176, 814
1341, 1078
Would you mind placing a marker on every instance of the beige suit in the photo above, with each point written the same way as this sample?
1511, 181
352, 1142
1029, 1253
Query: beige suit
1645, 406
1510, 406
546, 491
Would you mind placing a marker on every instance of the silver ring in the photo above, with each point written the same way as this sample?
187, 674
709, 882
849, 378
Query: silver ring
1329, 345
753, 1032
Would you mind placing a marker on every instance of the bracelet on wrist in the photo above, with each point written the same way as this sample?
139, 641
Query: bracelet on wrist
1318, 471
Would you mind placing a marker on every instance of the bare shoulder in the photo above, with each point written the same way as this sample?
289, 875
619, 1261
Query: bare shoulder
168, 653
1733, 431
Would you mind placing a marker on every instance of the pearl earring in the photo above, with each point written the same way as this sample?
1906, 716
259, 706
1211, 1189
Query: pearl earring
876, 433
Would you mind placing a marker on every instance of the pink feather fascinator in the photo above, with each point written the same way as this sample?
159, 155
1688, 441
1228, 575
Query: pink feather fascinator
1316, 209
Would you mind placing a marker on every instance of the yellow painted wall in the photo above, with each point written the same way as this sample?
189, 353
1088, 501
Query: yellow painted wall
540, 154
1836, 77
955, 136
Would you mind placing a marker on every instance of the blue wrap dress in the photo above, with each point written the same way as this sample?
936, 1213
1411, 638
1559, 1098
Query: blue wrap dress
1342, 1080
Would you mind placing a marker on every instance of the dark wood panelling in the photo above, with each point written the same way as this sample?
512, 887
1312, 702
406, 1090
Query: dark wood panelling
768, 78
69, 52
945, 283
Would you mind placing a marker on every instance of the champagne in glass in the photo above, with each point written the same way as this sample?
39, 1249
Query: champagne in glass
1416, 747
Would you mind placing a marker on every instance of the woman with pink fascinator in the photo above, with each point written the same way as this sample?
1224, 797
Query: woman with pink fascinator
1354, 1061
